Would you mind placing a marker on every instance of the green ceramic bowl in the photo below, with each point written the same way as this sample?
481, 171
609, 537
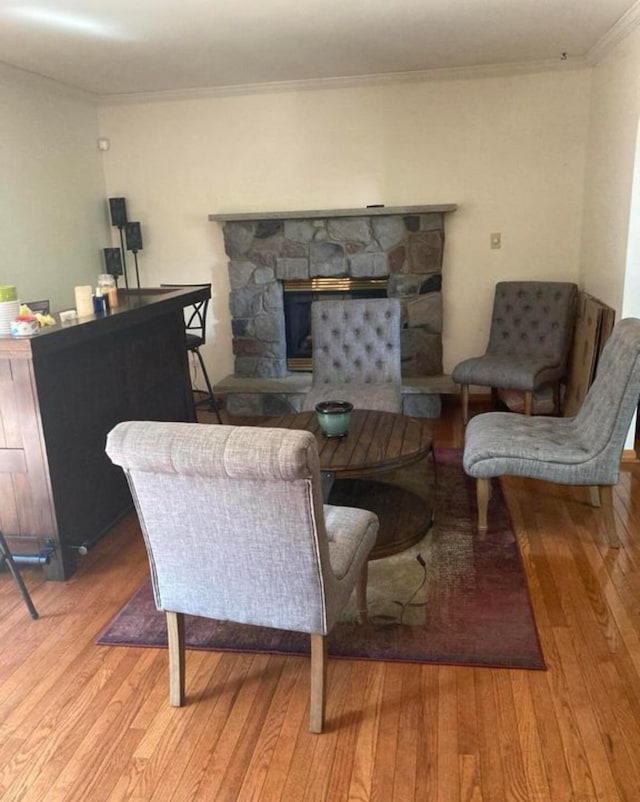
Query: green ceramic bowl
8, 292
334, 417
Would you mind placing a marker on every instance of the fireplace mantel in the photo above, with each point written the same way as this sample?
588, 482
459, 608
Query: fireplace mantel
309, 214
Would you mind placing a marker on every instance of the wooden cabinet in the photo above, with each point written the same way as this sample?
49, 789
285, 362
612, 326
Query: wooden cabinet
61, 392
594, 323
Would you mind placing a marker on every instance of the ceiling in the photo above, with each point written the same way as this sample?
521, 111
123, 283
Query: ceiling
131, 46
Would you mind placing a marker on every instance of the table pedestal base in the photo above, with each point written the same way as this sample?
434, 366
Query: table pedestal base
405, 517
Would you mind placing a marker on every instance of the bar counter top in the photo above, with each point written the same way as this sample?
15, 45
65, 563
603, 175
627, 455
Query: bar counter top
147, 303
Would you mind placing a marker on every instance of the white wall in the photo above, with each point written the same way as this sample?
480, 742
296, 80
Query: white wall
51, 189
610, 265
509, 150
608, 226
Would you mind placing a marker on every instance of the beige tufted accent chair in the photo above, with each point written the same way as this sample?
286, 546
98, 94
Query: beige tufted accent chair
531, 329
583, 450
356, 353
235, 529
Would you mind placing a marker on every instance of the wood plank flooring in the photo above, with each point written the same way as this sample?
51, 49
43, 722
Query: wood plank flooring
85, 722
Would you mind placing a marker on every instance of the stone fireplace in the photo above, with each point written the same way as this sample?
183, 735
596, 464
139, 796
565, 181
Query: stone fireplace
396, 251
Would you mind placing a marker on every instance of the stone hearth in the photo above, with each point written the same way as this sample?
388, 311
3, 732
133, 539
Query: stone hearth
404, 245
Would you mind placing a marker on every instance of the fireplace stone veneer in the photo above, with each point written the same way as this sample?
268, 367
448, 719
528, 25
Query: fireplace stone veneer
403, 244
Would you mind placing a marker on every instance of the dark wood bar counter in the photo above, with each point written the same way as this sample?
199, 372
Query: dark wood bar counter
61, 392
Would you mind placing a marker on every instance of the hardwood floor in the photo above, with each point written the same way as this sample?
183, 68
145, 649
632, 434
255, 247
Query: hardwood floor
86, 722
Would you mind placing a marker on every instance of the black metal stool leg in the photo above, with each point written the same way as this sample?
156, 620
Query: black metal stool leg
5, 556
212, 401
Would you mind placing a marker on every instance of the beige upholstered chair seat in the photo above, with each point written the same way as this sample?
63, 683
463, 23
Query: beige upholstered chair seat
383, 397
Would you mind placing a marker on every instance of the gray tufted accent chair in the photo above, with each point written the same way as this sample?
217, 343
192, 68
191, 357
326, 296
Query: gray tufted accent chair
584, 450
235, 529
529, 341
356, 353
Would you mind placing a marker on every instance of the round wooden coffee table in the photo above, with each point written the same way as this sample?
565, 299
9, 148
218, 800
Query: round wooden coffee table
377, 443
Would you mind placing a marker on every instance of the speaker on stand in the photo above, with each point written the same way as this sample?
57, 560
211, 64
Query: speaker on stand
134, 243
118, 210
113, 262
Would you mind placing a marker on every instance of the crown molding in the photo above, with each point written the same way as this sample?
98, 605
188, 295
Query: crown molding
35, 79
347, 82
627, 23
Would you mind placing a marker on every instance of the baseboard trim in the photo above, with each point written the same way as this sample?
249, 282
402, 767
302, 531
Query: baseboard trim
629, 455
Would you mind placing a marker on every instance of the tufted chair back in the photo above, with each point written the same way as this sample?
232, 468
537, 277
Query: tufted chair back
605, 415
356, 353
248, 501
533, 318
356, 341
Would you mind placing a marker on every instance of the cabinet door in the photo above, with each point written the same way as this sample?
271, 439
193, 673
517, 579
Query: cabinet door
27, 515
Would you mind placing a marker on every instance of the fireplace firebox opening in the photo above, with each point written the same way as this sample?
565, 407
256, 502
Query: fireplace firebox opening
298, 297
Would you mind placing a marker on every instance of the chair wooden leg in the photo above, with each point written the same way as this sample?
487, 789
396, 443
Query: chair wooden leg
318, 682
465, 403
175, 632
361, 592
605, 502
594, 495
528, 402
483, 489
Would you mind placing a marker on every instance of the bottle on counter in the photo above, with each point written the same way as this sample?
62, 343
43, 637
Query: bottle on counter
99, 306
107, 284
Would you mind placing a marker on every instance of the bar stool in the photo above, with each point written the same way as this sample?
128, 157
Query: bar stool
195, 328
6, 557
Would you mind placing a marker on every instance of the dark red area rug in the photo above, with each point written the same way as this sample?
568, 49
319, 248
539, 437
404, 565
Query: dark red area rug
454, 598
